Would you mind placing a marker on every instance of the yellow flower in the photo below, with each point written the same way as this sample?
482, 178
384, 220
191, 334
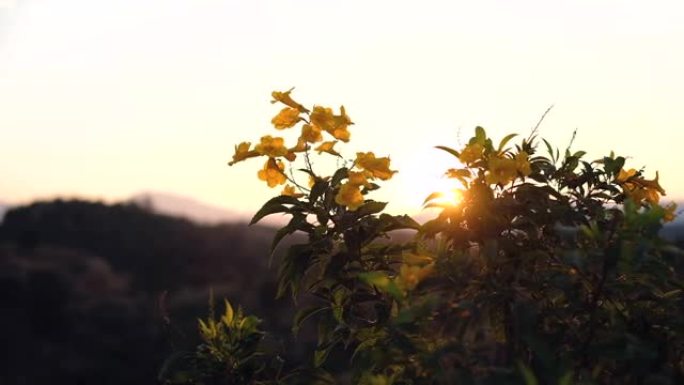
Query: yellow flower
300, 146
358, 178
311, 133
349, 196
652, 184
471, 153
651, 195
271, 147
639, 189
341, 133
670, 212
624, 175
323, 117
501, 171
377, 167
286, 118
522, 163
272, 172
410, 276
328, 147
638, 194
630, 189
335, 125
342, 121
242, 152
284, 97
290, 191
313, 180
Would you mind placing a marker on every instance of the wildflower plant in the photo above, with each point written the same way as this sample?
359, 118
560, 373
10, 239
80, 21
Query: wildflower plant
549, 270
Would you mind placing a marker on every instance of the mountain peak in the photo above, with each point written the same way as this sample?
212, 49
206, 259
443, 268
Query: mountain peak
186, 207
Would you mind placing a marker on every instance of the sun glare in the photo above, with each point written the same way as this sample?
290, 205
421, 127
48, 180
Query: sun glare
416, 181
450, 197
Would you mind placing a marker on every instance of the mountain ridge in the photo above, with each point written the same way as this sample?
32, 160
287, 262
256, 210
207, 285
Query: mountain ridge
186, 207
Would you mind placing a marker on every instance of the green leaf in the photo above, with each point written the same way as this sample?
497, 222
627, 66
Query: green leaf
298, 219
395, 291
279, 235
249, 324
307, 171
338, 176
480, 135
437, 205
370, 207
317, 189
321, 354
338, 301
488, 145
378, 279
528, 375
273, 206
449, 150
268, 209
579, 154
382, 282
227, 317
398, 222
370, 187
549, 149
505, 140
460, 173
304, 314
292, 269
432, 196
364, 345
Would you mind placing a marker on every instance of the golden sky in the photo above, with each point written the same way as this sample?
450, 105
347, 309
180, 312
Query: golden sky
105, 99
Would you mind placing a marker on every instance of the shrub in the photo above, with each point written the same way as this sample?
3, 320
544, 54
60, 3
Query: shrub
548, 270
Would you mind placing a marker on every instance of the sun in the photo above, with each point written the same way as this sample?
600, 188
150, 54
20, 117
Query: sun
422, 175
415, 187
448, 197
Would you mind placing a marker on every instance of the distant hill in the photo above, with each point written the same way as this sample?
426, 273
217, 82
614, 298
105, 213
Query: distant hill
185, 207
3, 210
159, 251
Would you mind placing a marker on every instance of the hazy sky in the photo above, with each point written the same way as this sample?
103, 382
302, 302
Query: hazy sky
104, 99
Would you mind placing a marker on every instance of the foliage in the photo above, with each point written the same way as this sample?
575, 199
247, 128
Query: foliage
549, 270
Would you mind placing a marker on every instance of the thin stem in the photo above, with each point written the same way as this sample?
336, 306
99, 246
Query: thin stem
536, 127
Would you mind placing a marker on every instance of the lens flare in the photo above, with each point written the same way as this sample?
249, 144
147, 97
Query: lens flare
447, 197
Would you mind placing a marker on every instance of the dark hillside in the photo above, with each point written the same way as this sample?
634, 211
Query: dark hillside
96, 294
160, 252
